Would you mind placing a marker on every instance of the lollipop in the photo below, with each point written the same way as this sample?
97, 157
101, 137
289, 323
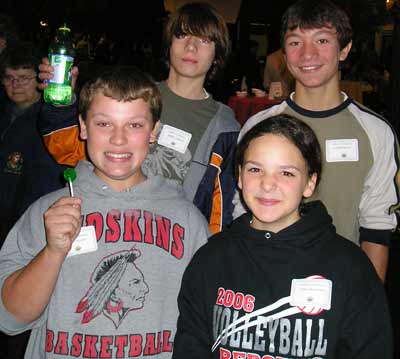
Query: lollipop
70, 176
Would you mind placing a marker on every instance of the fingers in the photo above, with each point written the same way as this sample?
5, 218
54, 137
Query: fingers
74, 76
67, 210
45, 61
46, 73
67, 200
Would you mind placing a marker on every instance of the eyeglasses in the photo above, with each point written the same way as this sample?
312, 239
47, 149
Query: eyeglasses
20, 80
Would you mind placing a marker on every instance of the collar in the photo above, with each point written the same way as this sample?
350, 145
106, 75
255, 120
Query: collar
318, 114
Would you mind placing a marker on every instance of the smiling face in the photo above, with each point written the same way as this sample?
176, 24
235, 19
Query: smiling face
313, 57
274, 178
191, 56
118, 135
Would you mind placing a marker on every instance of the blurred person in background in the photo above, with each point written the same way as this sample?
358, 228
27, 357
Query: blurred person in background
8, 31
8, 35
27, 171
250, 68
276, 70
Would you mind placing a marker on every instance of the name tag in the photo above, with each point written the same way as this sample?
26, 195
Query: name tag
342, 150
85, 242
174, 138
311, 292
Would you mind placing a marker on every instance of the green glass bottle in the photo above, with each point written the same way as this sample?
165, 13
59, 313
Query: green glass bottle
61, 57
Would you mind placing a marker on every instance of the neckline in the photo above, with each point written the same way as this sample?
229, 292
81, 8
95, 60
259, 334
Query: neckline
318, 114
206, 95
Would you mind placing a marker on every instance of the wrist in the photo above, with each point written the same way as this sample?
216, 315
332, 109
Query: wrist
54, 255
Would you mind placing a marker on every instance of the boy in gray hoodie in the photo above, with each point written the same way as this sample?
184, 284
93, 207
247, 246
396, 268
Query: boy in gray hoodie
96, 274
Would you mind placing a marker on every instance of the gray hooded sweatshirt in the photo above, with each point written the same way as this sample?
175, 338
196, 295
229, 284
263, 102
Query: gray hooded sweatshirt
120, 300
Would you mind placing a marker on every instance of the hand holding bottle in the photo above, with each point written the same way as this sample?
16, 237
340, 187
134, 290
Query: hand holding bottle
61, 58
46, 73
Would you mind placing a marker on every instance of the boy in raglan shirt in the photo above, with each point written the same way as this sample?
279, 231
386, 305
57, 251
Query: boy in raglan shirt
97, 274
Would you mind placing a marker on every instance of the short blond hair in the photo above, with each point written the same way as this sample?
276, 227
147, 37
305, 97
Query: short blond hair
122, 84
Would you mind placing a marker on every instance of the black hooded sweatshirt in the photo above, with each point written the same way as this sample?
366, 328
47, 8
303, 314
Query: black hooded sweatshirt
241, 297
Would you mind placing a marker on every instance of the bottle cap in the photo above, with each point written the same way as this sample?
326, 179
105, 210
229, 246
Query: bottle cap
64, 28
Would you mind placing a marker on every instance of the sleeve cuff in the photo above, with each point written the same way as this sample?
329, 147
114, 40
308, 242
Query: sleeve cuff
377, 236
53, 118
9, 324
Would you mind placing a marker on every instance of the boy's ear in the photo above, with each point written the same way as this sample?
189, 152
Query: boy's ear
345, 51
154, 132
83, 129
310, 186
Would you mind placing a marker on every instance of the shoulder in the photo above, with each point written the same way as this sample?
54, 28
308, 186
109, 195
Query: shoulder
172, 191
30, 224
350, 259
215, 250
221, 251
226, 118
370, 120
261, 116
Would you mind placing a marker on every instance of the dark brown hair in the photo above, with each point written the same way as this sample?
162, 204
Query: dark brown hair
202, 20
315, 14
293, 129
20, 55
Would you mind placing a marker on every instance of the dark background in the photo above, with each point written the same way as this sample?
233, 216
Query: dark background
144, 20
124, 20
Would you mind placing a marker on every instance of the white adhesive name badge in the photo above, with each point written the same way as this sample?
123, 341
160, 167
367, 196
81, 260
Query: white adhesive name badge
174, 138
311, 292
85, 242
342, 150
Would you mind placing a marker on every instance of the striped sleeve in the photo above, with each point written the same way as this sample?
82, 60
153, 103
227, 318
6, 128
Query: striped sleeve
380, 198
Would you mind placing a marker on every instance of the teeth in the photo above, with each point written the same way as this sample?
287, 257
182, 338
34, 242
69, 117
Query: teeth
309, 67
118, 155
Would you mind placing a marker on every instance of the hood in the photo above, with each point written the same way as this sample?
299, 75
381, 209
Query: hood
312, 229
154, 188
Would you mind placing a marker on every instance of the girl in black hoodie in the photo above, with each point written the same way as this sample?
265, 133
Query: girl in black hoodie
280, 283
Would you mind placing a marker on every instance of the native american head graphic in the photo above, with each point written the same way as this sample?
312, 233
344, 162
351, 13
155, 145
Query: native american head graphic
117, 287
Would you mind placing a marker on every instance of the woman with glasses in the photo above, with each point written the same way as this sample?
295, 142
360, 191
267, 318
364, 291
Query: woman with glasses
26, 170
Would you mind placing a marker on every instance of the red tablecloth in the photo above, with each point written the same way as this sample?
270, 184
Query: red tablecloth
245, 107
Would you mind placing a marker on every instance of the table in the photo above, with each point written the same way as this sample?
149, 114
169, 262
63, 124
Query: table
245, 107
